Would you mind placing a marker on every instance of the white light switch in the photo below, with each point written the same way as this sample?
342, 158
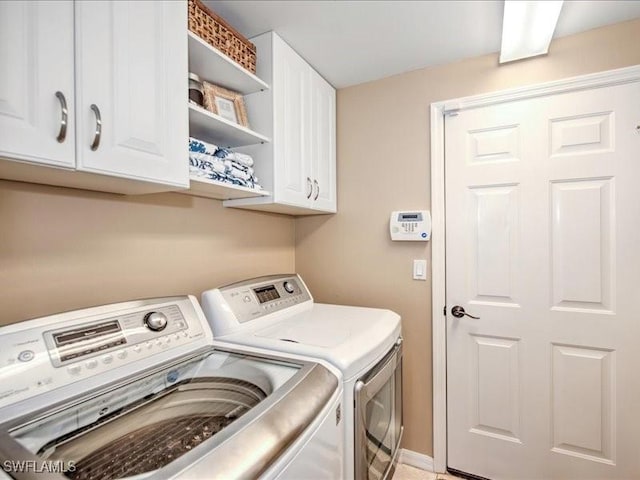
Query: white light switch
419, 269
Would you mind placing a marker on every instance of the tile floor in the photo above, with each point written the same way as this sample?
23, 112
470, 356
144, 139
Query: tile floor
406, 472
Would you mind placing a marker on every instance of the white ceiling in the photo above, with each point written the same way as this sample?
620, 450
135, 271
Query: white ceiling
351, 42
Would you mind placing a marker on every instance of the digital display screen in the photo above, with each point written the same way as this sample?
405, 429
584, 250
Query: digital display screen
73, 336
411, 216
266, 294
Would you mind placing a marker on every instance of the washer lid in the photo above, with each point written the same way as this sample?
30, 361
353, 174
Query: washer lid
351, 338
191, 418
307, 329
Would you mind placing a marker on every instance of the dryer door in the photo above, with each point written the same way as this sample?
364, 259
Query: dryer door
378, 399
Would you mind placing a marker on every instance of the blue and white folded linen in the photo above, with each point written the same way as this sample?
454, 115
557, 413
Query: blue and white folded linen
210, 161
242, 158
238, 157
198, 146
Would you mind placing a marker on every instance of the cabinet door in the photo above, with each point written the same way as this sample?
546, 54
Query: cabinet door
131, 72
323, 144
292, 102
36, 62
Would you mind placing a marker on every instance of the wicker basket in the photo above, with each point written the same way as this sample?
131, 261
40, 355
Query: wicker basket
220, 35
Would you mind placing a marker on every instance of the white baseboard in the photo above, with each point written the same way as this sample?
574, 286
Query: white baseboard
415, 459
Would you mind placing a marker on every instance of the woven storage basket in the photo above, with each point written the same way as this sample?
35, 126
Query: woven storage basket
220, 35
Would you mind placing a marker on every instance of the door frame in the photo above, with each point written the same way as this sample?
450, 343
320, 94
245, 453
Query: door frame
438, 316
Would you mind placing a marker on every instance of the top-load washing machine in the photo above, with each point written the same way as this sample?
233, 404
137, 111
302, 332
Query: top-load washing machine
140, 389
278, 313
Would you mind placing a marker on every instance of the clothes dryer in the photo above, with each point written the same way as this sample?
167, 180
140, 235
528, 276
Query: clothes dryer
278, 313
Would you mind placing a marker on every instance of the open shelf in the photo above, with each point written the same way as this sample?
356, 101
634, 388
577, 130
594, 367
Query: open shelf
212, 65
212, 128
204, 187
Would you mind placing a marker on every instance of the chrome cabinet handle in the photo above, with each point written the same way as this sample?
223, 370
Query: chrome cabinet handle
98, 134
315, 182
459, 312
62, 134
310, 187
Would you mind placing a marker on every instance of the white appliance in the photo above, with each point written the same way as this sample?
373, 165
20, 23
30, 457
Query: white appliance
278, 313
140, 389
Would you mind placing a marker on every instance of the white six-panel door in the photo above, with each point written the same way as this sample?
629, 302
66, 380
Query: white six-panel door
543, 244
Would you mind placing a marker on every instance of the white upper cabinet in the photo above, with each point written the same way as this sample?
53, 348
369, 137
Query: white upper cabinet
298, 113
323, 144
292, 116
121, 68
131, 64
36, 83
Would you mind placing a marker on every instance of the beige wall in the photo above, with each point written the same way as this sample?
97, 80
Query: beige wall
383, 165
64, 249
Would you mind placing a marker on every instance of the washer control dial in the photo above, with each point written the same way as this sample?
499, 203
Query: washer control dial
155, 321
289, 287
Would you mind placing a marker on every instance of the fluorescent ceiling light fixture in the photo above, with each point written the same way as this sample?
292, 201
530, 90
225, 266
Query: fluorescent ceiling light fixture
527, 28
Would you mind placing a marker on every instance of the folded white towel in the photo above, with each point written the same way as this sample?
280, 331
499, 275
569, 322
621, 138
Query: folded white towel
239, 173
242, 158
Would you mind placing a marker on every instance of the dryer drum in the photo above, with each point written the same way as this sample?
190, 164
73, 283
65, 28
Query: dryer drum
157, 431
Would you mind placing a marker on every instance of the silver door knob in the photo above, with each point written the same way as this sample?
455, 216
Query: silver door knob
459, 312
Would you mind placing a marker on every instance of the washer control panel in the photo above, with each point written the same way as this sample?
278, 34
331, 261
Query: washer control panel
256, 298
80, 342
49, 352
